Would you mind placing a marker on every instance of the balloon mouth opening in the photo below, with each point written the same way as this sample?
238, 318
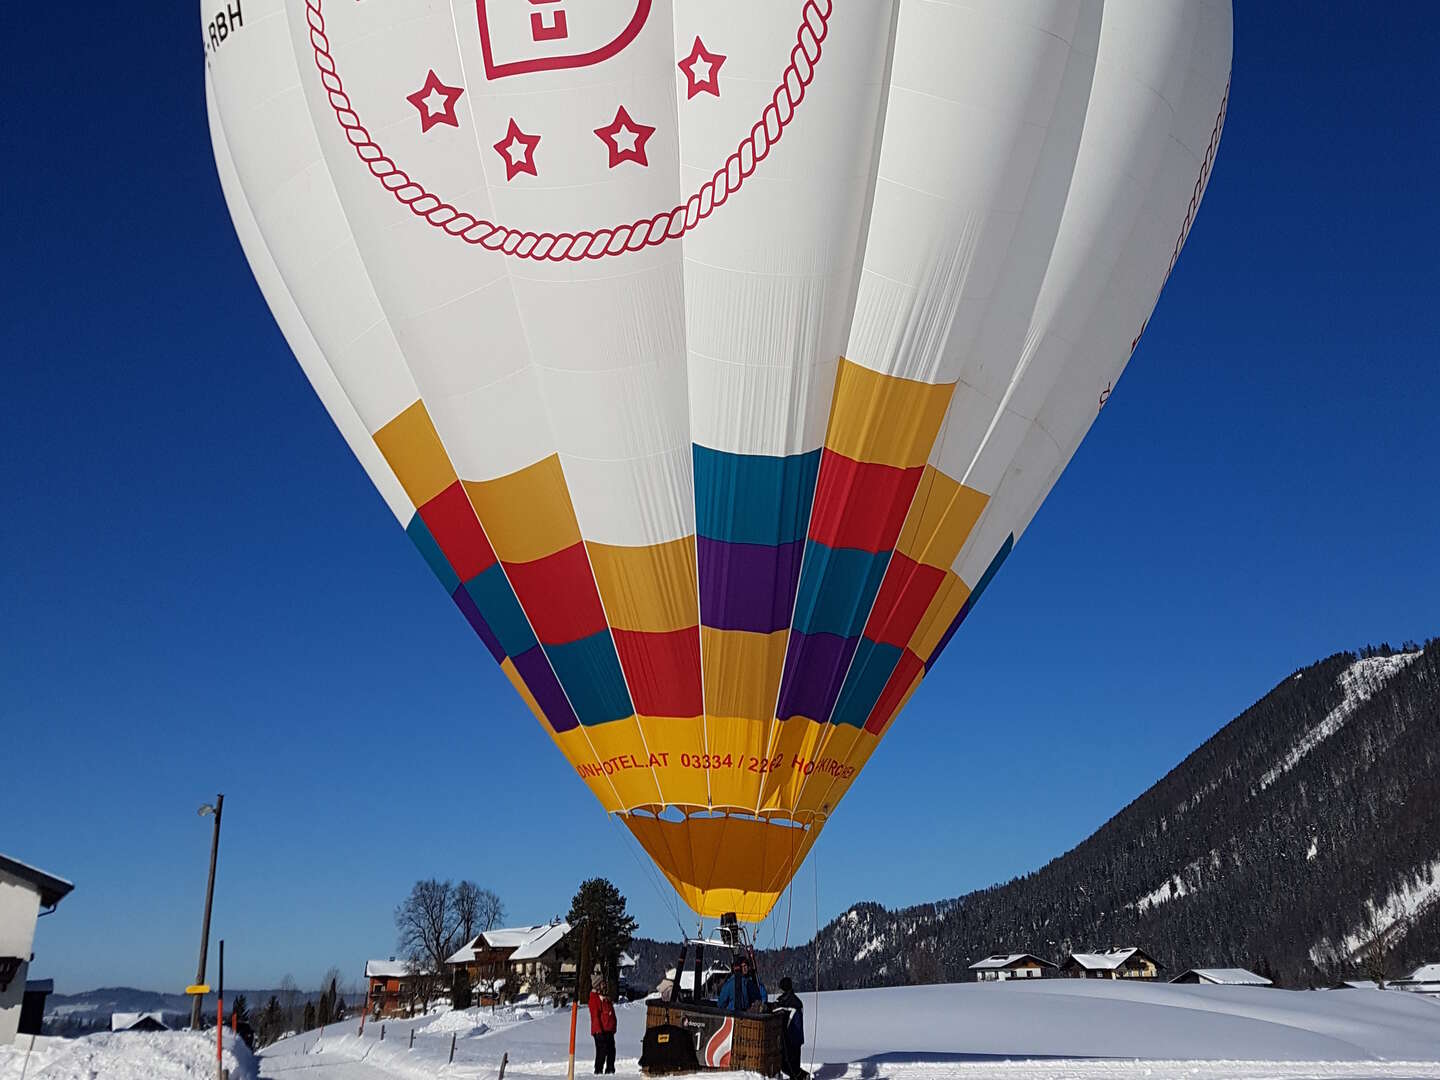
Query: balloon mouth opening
725, 860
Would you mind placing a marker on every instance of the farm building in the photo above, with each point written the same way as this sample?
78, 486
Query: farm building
389, 986
515, 956
1113, 963
1221, 977
1423, 980
1005, 966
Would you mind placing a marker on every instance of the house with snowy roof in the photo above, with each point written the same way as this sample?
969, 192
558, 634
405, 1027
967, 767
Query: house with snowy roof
1114, 963
390, 986
514, 957
1425, 979
1221, 977
138, 1021
1005, 966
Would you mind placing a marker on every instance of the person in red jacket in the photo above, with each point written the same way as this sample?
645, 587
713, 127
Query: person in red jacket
602, 1028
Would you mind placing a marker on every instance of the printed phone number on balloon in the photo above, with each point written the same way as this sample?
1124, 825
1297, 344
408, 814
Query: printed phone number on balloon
715, 762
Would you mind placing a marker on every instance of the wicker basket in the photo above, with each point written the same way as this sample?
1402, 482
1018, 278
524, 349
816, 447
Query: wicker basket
755, 1045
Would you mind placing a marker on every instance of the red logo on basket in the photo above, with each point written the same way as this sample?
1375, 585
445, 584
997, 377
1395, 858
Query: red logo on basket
717, 1050
521, 36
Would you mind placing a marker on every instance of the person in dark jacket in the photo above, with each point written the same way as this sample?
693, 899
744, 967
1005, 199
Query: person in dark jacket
602, 1029
742, 989
794, 1033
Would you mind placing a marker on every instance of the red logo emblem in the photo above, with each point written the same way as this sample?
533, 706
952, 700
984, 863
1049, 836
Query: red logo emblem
520, 36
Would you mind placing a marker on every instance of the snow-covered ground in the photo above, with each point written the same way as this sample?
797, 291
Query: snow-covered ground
1055, 1028
126, 1055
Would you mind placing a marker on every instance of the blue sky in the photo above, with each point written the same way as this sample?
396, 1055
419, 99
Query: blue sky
201, 591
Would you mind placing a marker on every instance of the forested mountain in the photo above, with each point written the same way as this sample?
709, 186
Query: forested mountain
1302, 839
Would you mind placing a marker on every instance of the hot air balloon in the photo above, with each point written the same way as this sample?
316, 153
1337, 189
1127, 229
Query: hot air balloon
715, 354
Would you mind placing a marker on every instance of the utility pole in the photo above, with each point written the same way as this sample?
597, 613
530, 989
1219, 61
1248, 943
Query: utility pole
209, 899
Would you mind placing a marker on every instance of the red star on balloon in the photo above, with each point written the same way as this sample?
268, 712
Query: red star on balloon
436, 102
702, 71
625, 138
517, 150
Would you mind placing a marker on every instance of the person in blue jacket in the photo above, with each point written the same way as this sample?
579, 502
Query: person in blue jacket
794, 1036
742, 989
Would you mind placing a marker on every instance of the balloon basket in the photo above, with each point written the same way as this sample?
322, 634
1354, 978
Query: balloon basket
724, 1040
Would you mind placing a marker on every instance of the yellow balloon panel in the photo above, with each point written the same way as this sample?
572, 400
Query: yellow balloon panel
725, 864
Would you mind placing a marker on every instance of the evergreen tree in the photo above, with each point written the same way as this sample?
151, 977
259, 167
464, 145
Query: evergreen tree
272, 1021
598, 912
460, 996
309, 1019
240, 1010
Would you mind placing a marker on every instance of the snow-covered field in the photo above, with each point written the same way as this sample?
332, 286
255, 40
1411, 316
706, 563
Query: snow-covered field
128, 1055
1055, 1028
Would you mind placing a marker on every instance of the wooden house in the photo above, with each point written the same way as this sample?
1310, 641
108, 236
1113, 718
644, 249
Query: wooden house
507, 961
1113, 963
390, 986
1221, 977
1003, 967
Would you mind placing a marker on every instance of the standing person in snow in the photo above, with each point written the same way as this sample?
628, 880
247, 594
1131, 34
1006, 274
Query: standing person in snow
794, 1034
602, 1028
742, 989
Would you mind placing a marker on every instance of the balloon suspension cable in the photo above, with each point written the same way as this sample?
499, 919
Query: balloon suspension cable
647, 870
815, 949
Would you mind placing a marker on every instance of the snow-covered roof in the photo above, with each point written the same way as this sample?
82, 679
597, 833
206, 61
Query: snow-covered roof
1001, 961
1108, 960
627, 961
541, 943
465, 954
1425, 973
512, 937
124, 1021
528, 942
1226, 977
386, 969
52, 889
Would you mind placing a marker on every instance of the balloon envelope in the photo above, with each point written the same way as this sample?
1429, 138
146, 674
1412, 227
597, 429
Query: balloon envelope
715, 354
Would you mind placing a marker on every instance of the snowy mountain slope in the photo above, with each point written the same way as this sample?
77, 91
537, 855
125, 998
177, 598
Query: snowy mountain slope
1301, 833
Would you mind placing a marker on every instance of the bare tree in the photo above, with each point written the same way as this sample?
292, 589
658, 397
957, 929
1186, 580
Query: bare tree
290, 1004
427, 926
543, 984
488, 910
467, 910
424, 982
1377, 962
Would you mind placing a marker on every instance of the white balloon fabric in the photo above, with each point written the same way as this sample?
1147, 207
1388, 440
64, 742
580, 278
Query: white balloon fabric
715, 353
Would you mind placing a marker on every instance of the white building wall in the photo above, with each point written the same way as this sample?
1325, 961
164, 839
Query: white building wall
19, 907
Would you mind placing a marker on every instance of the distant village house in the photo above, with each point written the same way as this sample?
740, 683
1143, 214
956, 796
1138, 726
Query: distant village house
1005, 966
1423, 980
138, 1021
1113, 963
1221, 977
